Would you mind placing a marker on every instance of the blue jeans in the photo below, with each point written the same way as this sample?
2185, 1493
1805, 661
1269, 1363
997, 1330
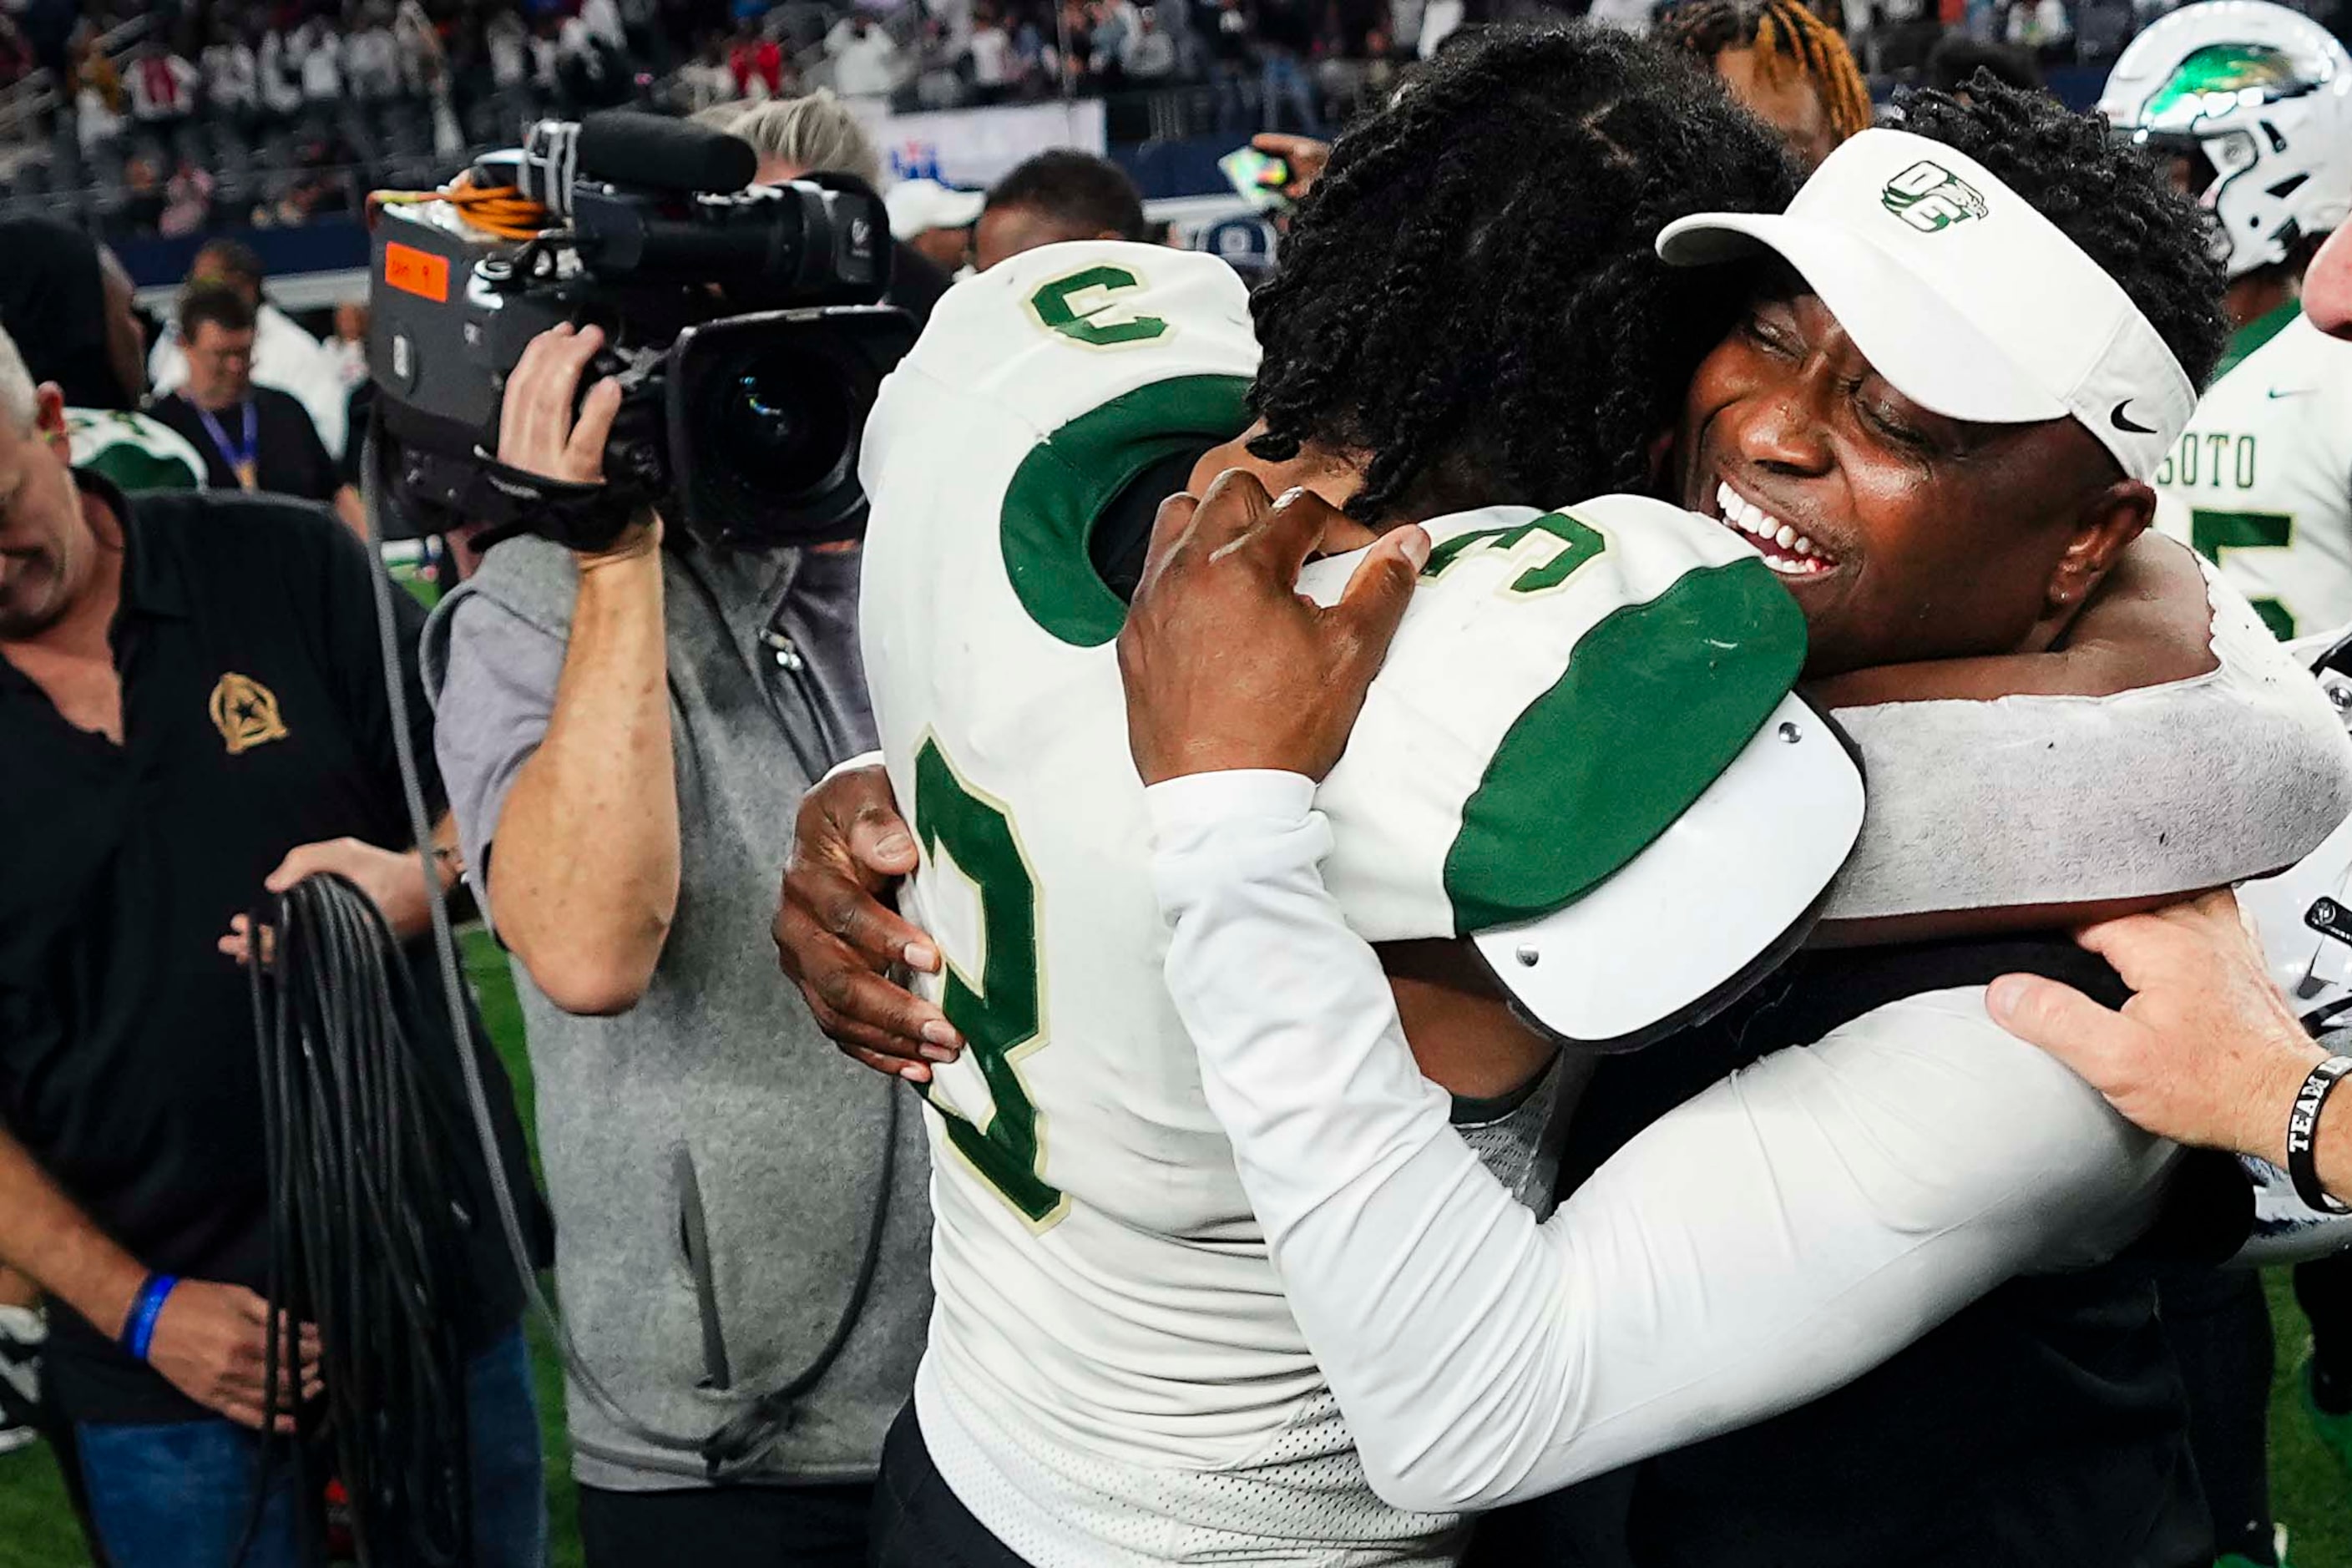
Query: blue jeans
1282, 78
177, 1494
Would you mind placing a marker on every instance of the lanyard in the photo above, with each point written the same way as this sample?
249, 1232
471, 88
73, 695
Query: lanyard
239, 457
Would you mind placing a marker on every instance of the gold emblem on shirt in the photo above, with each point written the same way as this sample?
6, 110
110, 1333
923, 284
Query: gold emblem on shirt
245, 714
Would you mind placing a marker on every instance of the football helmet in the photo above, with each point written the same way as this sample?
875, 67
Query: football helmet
2254, 102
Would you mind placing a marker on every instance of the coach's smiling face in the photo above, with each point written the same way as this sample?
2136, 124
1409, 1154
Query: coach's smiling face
1904, 535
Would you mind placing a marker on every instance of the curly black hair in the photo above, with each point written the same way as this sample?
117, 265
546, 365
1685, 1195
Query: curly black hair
1470, 299
2112, 199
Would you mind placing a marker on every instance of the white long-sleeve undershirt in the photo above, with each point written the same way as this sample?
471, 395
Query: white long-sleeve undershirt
1775, 1237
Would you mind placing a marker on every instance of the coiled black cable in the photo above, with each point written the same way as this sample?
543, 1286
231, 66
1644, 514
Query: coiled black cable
364, 1217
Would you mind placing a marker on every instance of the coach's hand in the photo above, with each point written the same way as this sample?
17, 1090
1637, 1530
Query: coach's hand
2207, 1051
211, 1342
539, 434
1226, 664
839, 942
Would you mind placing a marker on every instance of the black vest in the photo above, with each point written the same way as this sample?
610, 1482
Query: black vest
2045, 1425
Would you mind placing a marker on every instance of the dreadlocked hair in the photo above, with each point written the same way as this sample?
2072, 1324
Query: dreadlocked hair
2109, 197
1786, 37
1471, 301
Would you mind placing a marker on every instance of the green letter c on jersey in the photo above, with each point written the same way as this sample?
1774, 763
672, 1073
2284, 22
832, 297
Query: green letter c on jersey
1092, 324
1566, 543
1000, 1019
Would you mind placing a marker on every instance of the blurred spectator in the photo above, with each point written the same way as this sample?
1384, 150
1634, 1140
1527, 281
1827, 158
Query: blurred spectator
1055, 197
163, 88
142, 192
372, 59
96, 123
187, 200
17, 53
1150, 55
424, 65
705, 80
232, 75
2039, 26
758, 65
593, 73
1957, 57
818, 135
1286, 31
1225, 27
318, 49
936, 220
347, 349
278, 75
602, 19
507, 43
1112, 27
865, 59
1783, 63
938, 63
1629, 16
990, 49
284, 356
251, 437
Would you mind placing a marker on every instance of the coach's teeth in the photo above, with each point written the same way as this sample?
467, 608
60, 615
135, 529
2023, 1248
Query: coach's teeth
1799, 556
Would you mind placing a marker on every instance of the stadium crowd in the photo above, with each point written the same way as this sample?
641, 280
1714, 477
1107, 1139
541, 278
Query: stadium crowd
170, 106
1186, 801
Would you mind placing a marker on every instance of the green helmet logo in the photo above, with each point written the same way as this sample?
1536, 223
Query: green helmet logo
1930, 197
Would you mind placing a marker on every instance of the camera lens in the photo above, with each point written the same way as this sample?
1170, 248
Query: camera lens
782, 423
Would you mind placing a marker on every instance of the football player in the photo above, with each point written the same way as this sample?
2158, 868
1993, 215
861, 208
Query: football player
2252, 103
1114, 1375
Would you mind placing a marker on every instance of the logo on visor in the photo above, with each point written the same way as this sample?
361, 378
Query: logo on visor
1930, 197
2126, 423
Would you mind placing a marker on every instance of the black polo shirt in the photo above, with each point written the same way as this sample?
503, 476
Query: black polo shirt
288, 457
255, 719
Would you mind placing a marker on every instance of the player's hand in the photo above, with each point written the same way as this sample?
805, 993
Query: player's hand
2206, 1052
1305, 154
839, 942
539, 435
1226, 664
210, 1342
391, 878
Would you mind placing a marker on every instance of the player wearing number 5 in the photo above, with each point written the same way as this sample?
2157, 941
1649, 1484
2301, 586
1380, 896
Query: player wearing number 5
2252, 104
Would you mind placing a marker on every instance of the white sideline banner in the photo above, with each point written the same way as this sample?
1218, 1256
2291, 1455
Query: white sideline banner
975, 148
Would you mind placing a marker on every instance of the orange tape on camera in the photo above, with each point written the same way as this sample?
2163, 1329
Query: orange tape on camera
417, 272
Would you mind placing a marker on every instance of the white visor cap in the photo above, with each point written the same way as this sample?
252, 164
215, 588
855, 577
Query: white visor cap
918, 207
1969, 301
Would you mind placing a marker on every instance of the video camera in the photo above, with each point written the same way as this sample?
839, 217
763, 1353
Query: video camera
739, 322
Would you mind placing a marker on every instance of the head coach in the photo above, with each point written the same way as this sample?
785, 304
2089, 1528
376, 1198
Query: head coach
192, 708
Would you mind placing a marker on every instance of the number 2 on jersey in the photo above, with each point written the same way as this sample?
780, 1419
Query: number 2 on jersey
1000, 1019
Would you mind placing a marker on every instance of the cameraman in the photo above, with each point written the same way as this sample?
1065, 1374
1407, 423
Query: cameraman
626, 737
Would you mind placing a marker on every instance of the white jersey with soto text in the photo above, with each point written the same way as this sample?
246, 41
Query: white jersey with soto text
1113, 1377
2262, 483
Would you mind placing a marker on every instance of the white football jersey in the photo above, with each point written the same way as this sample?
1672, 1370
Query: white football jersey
2262, 483
134, 451
1113, 1375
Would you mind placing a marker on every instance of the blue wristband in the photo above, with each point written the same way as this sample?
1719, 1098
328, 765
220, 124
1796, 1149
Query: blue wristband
139, 1328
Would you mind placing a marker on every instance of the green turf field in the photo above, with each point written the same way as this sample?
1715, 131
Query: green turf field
2311, 1493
